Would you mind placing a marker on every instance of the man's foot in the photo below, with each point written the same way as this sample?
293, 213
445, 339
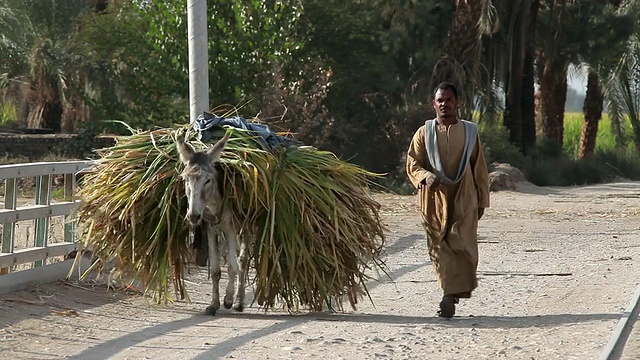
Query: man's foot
447, 307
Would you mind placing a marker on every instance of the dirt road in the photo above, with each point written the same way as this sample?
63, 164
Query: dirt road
557, 268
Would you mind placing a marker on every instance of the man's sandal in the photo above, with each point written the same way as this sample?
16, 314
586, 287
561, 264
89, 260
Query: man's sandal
447, 307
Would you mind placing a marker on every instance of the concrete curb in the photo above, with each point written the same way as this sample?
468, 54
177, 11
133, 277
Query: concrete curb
620, 334
24, 279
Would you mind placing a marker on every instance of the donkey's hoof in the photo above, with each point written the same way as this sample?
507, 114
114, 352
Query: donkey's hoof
227, 304
211, 310
238, 307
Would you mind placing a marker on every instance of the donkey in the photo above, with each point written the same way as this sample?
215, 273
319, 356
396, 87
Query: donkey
202, 178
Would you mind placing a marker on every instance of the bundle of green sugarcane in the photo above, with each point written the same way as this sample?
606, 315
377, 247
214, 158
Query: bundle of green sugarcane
316, 226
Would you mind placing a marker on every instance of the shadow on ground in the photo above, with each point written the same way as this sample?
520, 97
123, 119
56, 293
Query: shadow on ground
287, 321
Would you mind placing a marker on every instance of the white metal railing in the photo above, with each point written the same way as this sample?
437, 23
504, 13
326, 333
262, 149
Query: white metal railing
41, 212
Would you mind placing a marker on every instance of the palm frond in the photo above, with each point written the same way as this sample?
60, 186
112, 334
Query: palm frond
623, 88
489, 22
615, 109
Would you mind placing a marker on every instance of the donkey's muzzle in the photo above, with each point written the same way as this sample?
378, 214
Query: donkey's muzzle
194, 219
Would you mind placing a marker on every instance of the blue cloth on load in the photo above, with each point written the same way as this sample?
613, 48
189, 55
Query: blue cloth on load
266, 137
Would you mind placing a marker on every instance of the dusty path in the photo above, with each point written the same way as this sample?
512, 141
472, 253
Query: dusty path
558, 266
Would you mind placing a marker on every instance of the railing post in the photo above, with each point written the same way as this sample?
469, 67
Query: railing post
9, 229
43, 197
69, 219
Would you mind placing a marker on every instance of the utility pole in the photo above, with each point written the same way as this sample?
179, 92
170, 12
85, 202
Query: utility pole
198, 58
198, 89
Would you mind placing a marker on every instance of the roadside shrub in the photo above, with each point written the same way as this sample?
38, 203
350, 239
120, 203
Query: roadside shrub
8, 113
623, 162
562, 171
496, 145
549, 165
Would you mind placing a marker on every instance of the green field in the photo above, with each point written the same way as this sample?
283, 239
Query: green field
606, 140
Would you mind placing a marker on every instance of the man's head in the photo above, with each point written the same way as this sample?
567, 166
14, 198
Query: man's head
445, 101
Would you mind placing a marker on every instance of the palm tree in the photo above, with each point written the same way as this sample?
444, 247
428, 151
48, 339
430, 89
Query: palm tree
509, 55
553, 63
562, 41
35, 61
593, 105
599, 55
527, 100
622, 90
460, 63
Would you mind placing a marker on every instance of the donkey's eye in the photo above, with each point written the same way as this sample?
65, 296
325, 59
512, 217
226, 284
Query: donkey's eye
207, 182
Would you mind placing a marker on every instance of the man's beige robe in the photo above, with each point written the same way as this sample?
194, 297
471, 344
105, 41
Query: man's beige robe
450, 212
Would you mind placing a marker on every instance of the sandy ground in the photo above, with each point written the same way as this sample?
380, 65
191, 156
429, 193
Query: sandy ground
557, 268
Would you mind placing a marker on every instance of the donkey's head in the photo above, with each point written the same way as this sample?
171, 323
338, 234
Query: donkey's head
202, 181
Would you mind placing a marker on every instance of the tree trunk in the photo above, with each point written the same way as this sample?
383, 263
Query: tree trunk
635, 128
75, 113
515, 71
52, 116
553, 95
593, 104
45, 116
463, 41
462, 54
636, 137
528, 81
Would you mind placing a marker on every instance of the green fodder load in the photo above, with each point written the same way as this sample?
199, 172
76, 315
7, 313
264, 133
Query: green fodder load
317, 230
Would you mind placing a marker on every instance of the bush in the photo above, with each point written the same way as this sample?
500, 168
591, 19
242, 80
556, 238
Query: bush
582, 172
547, 149
496, 145
562, 171
549, 166
8, 113
621, 162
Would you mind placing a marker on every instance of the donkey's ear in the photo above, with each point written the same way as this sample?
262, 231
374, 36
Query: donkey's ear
215, 151
185, 149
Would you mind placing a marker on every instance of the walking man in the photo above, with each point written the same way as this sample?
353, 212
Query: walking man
446, 164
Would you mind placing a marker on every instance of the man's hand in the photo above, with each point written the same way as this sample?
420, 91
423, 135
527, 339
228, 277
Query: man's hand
431, 181
480, 213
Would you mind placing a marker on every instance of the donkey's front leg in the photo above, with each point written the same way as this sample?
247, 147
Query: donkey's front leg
232, 263
243, 265
214, 265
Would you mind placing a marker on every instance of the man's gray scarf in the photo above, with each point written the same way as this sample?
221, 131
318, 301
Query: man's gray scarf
470, 134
